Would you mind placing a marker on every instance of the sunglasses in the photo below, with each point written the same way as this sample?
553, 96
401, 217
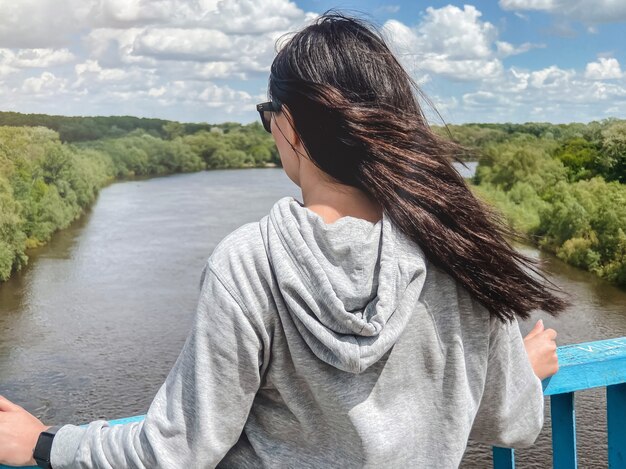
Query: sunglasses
265, 111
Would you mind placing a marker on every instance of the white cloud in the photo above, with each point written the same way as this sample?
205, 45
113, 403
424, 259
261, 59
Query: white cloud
223, 95
459, 34
609, 91
6, 69
485, 99
551, 77
587, 11
209, 60
220, 69
239, 34
139, 55
526, 4
185, 44
115, 47
451, 42
157, 92
603, 69
35, 58
90, 72
41, 23
506, 49
124, 13
183, 93
462, 69
88, 66
255, 17
45, 23
46, 84
549, 94
165, 54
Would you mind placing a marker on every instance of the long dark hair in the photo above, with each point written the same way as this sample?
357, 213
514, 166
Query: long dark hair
352, 105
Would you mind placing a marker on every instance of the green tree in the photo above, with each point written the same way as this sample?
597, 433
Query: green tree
613, 157
580, 157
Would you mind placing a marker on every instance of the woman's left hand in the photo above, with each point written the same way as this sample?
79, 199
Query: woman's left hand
540, 344
19, 432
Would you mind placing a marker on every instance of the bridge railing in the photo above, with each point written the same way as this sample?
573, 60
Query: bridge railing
581, 366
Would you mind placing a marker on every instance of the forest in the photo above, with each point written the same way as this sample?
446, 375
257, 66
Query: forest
561, 185
50, 172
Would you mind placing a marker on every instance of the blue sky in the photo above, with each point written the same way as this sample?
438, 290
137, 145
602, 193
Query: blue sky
208, 60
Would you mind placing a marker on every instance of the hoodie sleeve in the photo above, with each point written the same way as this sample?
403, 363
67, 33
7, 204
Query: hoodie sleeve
199, 412
511, 409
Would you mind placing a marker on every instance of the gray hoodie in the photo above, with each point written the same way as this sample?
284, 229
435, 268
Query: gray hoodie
326, 345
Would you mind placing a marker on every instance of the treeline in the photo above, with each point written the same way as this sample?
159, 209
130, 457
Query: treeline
561, 185
141, 154
80, 129
46, 184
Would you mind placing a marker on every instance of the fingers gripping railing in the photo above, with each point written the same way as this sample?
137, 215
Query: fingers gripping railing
583, 366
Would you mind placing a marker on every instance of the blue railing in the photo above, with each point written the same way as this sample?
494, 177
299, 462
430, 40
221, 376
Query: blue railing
581, 366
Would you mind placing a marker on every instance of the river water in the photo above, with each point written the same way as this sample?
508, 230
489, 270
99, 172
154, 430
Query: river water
91, 327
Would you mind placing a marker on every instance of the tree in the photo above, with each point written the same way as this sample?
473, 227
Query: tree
580, 157
613, 156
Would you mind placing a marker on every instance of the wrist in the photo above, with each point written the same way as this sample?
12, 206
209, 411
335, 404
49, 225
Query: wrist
43, 447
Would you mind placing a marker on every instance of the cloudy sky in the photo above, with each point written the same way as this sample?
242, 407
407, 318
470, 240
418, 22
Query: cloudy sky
208, 60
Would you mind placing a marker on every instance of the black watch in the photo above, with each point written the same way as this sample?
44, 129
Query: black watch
41, 453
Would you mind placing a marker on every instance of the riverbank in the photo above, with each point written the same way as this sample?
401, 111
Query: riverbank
563, 186
45, 184
581, 223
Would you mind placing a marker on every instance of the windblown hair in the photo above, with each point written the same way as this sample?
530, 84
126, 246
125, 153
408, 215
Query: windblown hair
353, 107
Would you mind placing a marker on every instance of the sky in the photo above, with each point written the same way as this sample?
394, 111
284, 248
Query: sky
208, 61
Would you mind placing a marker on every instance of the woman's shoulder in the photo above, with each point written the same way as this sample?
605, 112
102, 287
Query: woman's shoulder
247, 245
242, 248
241, 262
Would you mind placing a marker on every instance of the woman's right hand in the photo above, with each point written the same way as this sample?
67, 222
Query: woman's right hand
19, 432
540, 346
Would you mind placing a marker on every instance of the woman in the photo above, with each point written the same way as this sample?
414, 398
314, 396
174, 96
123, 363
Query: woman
374, 324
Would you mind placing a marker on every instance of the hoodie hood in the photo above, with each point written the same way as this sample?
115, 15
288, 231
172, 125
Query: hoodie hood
350, 286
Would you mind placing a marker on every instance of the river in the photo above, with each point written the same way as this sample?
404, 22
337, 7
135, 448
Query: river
91, 327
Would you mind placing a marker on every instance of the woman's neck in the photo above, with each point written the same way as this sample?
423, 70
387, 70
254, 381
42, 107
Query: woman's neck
333, 201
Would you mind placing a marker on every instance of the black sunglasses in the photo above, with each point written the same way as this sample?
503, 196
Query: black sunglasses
265, 111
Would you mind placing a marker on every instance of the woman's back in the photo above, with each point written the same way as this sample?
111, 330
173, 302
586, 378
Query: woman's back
369, 355
321, 345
